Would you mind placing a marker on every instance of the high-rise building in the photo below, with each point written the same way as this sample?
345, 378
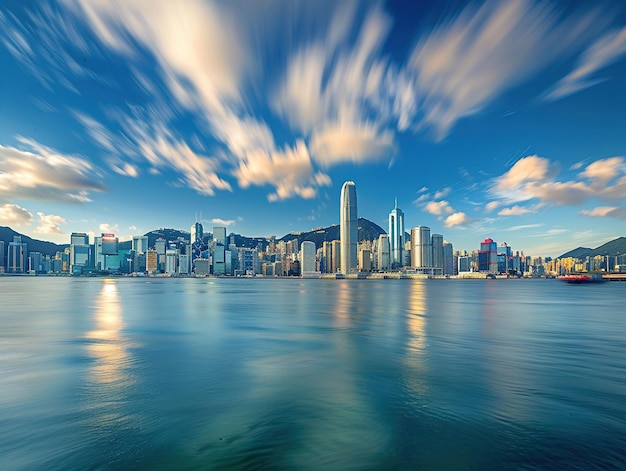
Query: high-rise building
140, 244
396, 236
421, 248
16, 256
197, 232
307, 258
488, 256
219, 259
436, 241
1, 256
448, 259
219, 235
80, 252
348, 228
384, 258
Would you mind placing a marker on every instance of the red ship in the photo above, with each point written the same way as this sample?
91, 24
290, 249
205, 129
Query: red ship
579, 278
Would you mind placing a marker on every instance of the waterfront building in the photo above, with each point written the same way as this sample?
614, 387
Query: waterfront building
219, 259
35, 262
2, 266
171, 261
80, 252
140, 244
448, 259
464, 264
197, 232
219, 235
16, 256
421, 248
348, 228
436, 241
396, 236
365, 260
488, 256
152, 261
307, 258
383, 255
505, 255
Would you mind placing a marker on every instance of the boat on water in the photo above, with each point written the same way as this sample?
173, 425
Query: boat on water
578, 278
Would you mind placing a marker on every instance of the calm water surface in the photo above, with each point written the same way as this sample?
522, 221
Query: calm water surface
311, 374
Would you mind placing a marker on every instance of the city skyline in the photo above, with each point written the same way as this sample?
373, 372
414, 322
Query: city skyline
484, 119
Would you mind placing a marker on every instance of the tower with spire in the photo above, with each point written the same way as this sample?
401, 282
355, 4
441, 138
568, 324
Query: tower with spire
396, 236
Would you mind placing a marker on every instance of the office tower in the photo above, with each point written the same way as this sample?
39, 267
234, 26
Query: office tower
335, 263
437, 243
464, 264
219, 235
348, 228
384, 258
79, 252
2, 256
396, 236
171, 261
307, 257
505, 255
421, 248
448, 259
197, 233
109, 244
35, 262
140, 244
488, 256
16, 256
365, 260
219, 259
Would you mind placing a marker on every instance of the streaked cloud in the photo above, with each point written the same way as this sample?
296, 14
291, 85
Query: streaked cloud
14, 215
105, 227
605, 211
39, 172
604, 51
518, 210
466, 62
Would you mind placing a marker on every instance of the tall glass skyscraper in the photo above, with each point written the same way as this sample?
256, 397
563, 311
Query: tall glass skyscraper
396, 236
348, 228
421, 247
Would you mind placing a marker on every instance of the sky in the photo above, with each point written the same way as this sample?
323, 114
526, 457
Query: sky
501, 119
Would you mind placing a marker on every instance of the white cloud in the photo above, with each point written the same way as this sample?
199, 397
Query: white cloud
603, 171
604, 51
290, 171
518, 210
438, 207
528, 169
223, 222
463, 64
442, 193
605, 211
108, 228
49, 224
14, 215
492, 205
44, 173
457, 219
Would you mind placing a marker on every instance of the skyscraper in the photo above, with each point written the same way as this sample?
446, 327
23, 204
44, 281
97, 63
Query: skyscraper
197, 232
421, 247
307, 258
16, 256
396, 236
488, 256
437, 243
219, 235
383, 252
348, 228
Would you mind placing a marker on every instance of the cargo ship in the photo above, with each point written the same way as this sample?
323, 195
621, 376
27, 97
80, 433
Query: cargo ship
578, 278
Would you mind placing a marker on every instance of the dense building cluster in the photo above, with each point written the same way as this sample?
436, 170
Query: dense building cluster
416, 252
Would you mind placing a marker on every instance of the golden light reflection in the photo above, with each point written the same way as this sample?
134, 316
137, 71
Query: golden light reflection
416, 344
416, 318
344, 304
107, 344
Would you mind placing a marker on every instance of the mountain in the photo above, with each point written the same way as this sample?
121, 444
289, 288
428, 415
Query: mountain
33, 245
612, 248
367, 231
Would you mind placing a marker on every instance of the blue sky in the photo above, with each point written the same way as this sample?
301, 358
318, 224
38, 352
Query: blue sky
501, 119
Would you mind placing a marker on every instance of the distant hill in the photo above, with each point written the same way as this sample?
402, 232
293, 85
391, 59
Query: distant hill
33, 245
612, 248
368, 230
